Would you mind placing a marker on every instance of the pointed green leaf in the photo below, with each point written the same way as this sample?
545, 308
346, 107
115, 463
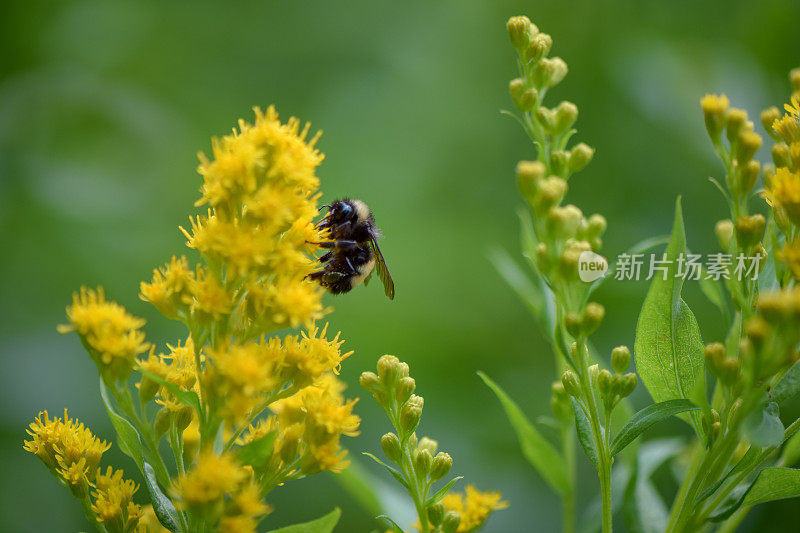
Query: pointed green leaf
642, 420
188, 398
442, 491
513, 275
539, 453
584, 429
162, 506
773, 483
788, 386
394, 472
668, 347
395, 527
128, 438
257, 452
324, 524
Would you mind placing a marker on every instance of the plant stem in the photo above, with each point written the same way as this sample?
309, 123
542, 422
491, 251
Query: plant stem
568, 498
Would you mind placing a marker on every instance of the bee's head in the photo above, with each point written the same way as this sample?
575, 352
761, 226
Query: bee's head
342, 211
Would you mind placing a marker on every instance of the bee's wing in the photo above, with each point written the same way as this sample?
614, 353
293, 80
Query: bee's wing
383, 272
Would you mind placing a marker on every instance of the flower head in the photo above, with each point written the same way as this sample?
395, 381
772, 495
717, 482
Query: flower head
113, 501
111, 334
212, 479
473, 506
783, 190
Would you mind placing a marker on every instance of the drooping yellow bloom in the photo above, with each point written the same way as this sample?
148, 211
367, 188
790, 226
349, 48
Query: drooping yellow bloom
473, 506
793, 108
213, 478
63, 443
113, 501
783, 190
169, 289
112, 335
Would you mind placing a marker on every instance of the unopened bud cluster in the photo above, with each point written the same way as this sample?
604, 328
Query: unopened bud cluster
418, 460
612, 386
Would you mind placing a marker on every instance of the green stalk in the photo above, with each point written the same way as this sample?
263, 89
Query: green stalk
568, 498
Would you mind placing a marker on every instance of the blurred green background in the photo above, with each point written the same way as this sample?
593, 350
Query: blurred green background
104, 104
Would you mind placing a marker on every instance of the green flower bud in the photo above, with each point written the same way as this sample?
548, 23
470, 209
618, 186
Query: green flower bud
736, 120
724, 231
558, 162
750, 230
436, 514
147, 389
573, 323
580, 156
595, 226
389, 370
549, 192
714, 353
520, 30
571, 383
749, 176
594, 372
441, 466
451, 521
370, 381
184, 417
391, 447
538, 46
620, 359
780, 155
715, 108
604, 382
163, 422
547, 118
768, 116
410, 414
549, 72
748, 145
543, 262
592, 317
564, 221
428, 444
423, 461
528, 175
405, 388
565, 116
628, 384
515, 88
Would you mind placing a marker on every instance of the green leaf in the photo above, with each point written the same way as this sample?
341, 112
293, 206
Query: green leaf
324, 524
128, 438
763, 427
361, 486
638, 248
395, 527
539, 452
530, 294
773, 483
584, 429
788, 386
162, 506
442, 491
668, 347
257, 452
394, 472
188, 398
642, 420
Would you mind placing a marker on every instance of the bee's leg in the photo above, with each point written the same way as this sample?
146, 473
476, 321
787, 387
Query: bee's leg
350, 265
324, 258
317, 274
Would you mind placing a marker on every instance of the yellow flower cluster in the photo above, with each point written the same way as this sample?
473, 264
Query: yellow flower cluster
782, 189
67, 448
113, 502
111, 335
308, 426
178, 368
73, 453
222, 491
474, 506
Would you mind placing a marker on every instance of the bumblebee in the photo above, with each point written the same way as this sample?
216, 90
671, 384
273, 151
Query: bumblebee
353, 252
